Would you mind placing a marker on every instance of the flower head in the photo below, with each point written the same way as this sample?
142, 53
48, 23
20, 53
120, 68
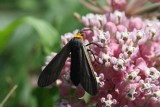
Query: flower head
126, 60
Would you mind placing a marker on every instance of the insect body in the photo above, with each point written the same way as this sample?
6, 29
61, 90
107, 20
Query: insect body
81, 70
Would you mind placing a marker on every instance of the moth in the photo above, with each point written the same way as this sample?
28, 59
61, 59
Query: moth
81, 69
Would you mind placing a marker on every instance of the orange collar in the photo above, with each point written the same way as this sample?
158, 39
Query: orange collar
79, 36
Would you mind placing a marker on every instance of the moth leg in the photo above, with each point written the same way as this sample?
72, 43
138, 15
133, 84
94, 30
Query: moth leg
92, 43
93, 55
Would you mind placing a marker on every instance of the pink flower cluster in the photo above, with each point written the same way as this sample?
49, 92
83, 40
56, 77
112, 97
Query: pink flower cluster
126, 69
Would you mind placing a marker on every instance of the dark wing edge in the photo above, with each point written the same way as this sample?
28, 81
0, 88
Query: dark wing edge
88, 79
53, 69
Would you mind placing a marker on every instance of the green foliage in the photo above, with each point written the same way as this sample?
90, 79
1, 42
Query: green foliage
30, 30
47, 34
86, 97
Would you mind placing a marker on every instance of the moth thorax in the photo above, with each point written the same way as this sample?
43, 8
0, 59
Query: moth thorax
79, 36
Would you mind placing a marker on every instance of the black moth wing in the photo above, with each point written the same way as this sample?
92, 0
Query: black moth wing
87, 76
53, 69
81, 68
76, 56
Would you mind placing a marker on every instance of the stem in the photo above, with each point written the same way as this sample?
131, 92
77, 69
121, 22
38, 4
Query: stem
108, 2
135, 5
144, 9
91, 7
103, 8
130, 5
140, 3
8, 95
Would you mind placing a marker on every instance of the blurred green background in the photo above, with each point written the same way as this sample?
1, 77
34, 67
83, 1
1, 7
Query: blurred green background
29, 31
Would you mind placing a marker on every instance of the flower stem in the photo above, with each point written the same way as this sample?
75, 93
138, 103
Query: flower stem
8, 95
144, 9
91, 7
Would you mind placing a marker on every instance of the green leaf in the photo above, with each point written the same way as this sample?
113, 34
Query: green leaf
5, 34
47, 34
86, 97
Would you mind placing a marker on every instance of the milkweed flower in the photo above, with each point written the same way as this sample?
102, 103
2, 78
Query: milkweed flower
126, 58
126, 61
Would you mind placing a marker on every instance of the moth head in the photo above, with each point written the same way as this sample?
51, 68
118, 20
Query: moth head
81, 33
